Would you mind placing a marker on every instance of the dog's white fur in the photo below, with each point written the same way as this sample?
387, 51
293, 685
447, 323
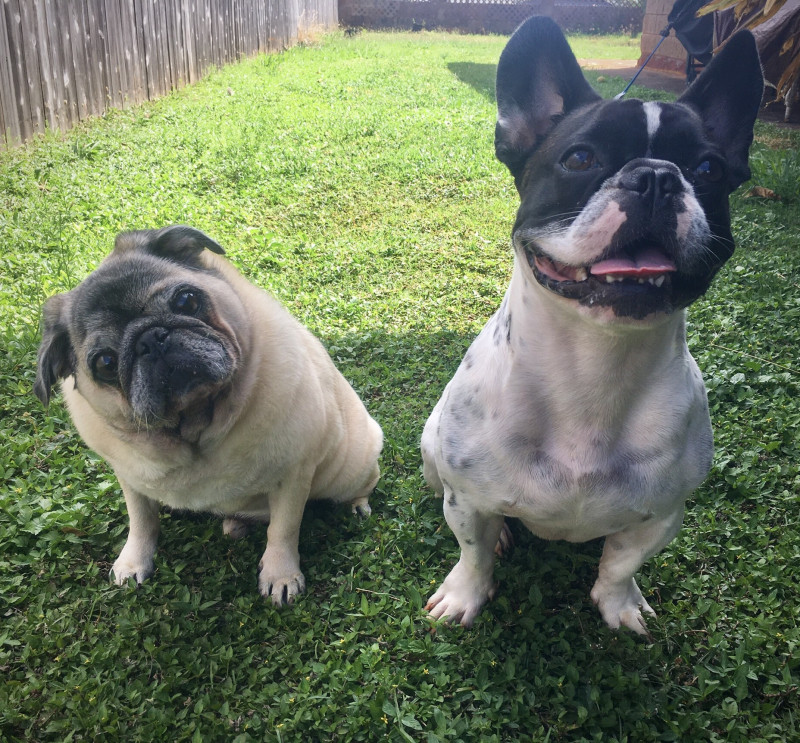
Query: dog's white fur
578, 409
616, 454
291, 429
581, 424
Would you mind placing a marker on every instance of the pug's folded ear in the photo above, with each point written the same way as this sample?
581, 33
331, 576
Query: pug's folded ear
56, 359
176, 242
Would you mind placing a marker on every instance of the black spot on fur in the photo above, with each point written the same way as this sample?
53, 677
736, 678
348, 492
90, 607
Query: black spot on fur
540, 464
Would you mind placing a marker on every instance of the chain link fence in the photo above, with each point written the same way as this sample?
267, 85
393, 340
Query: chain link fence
492, 16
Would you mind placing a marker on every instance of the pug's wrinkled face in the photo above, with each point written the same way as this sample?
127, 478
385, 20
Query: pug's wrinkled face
150, 337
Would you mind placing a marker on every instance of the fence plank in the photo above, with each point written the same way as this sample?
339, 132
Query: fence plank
9, 114
111, 45
150, 54
95, 44
32, 71
177, 46
203, 36
17, 64
47, 69
62, 42
79, 54
132, 55
162, 35
187, 29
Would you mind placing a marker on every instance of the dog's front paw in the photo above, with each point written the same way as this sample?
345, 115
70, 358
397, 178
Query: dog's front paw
131, 563
622, 605
280, 586
461, 596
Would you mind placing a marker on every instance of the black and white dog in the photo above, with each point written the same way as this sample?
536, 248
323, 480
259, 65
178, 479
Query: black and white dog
579, 409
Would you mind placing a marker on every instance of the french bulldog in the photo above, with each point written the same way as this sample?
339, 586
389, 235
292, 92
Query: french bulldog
204, 394
578, 409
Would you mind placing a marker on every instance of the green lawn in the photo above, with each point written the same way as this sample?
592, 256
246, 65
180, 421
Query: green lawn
601, 46
356, 180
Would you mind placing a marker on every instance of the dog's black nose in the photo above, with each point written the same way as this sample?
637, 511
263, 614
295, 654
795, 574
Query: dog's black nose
154, 340
656, 184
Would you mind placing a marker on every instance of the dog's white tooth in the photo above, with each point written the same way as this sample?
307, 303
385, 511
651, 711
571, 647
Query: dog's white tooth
640, 280
610, 279
660, 280
651, 280
581, 274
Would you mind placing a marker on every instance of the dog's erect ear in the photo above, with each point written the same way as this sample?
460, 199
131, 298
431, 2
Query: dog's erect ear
538, 78
56, 358
176, 242
727, 95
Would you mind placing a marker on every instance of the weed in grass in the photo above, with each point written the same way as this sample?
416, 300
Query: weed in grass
355, 179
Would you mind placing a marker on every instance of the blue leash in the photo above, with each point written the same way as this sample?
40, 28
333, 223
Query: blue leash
664, 35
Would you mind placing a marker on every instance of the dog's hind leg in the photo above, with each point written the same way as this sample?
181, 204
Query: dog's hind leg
361, 507
360, 504
235, 528
505, 542
615, 592
470, 582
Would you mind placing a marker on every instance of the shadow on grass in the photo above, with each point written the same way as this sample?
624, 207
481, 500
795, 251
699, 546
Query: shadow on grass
478, 75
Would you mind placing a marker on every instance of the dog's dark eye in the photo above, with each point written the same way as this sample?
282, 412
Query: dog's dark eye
104, 366
579, 160
186, 302
709, 171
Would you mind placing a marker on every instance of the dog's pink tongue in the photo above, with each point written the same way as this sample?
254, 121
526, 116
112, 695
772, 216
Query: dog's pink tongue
650, 262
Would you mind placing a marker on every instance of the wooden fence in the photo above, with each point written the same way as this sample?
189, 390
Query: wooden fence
64, 60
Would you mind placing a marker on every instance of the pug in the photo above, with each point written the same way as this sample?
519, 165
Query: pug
204, 394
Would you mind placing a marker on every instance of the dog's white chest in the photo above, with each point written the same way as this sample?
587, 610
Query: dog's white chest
575, 492
566, 446
585, 488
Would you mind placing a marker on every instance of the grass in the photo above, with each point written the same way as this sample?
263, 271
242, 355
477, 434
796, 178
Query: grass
355, 179
605, 46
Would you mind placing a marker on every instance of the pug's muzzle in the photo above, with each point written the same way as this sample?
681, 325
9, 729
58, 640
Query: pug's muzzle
170, 374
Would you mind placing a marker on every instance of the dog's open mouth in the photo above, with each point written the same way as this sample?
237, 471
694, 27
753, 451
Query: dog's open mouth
641, 273
650, 266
